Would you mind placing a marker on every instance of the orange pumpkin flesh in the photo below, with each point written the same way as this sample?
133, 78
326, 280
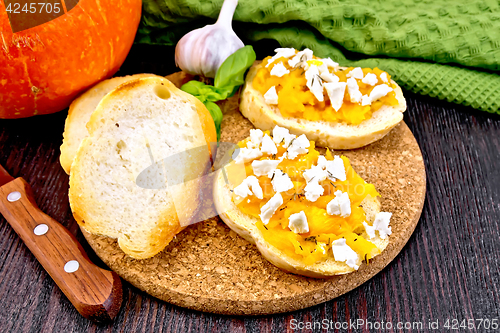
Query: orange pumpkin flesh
42, 69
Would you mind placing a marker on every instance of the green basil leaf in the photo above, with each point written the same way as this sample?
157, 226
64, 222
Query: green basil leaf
193, 87
232, 71
216, 114
206, 92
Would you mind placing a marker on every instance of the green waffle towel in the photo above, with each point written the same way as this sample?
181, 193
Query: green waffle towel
448, 49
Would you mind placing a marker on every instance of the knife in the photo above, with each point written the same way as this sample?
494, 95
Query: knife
96, 293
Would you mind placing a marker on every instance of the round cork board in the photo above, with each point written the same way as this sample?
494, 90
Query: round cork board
208, 267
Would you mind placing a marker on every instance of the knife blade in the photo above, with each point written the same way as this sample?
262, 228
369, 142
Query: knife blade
96, 293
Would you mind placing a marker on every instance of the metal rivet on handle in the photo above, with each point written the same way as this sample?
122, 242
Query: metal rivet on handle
14, 196
41, 229
71, 266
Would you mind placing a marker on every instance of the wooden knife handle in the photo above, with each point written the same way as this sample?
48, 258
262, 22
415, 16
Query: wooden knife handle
96, 293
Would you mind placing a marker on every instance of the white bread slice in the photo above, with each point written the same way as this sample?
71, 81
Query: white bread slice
326, 134
144, 117
81, 108
244, 225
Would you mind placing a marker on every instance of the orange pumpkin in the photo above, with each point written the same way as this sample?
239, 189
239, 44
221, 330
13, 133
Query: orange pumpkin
44, 67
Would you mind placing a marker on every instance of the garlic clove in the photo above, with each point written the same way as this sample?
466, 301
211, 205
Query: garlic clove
202, 51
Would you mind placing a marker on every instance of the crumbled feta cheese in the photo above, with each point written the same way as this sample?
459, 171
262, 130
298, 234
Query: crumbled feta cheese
255, 138
343, 252
336, 169
267, 211
315, 173
282, 135
313, 191
340, 205
329, 77
335, 93
370, 230
264, 167
381, 224
314, 82
366, 100
353, 89
322, 162
281, 52
298, 223
268, 146
281, 181
356, 73
301, 56
279, 70
344, 202
246, 155
271, 97
330, 63
249, 186
370, 79
379, 91
384, 77
298, 146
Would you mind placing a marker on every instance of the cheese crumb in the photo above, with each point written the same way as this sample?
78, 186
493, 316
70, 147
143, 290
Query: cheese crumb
249, 186
281, 181
314, 82
335, 93
340, 205
246, 155
336, 169
356, 73
330, 63
381, 224
255, 138
370, 230
384, 77
271, 96
315, 173
279, 70
281, 53
264, 167
379, 91
298, 146
298, 223
313, 191
366, 100
268, 146
329, 77
343, 252
353, 89
301, 56
282, 135
370, 79
267, 211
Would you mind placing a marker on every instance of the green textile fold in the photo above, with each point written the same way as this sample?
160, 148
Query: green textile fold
447, 49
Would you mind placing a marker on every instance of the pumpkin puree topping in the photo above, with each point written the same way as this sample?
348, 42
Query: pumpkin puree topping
318, 89
289, 175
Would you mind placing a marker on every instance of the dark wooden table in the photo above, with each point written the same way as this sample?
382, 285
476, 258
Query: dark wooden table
447, 273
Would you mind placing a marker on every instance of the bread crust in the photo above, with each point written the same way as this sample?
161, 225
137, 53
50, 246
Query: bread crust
244, 225
91, 211
326, 134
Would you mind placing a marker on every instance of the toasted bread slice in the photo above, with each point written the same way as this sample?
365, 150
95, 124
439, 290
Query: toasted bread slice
244, 225
81, 108
326, 134
136, 125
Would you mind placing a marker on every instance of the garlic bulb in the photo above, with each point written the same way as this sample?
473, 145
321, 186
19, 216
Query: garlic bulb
203, 50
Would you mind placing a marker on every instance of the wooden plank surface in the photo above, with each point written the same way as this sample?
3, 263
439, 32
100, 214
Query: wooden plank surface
448, 270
